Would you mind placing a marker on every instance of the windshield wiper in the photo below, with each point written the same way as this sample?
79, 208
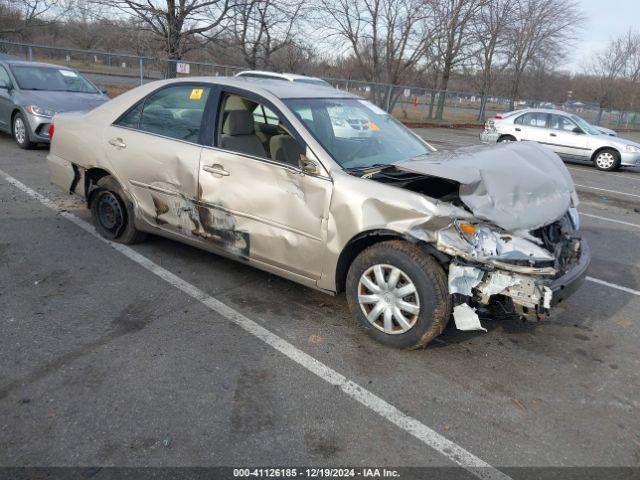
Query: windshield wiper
369, 167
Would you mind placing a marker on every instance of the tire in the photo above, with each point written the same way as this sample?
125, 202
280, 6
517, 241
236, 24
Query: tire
507, 139
21, 133
112, 212
607, 160
417, 268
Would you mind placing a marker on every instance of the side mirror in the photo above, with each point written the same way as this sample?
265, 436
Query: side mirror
577, 130
6, 85
309, 166
103, 90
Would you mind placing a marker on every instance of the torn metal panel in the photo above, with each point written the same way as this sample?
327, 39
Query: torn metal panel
519, 185
466, 318
496, 283
462, 279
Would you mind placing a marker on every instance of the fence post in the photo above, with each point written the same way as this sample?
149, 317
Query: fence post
141, 71
30, 54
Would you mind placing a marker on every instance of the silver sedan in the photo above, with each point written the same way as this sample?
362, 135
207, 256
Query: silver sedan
564, 133
32, 93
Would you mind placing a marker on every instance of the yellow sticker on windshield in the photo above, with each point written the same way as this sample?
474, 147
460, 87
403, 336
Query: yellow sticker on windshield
373, 126
196, 94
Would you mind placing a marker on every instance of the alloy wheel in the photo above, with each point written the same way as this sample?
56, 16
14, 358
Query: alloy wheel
389, 299
605, 160
20, 130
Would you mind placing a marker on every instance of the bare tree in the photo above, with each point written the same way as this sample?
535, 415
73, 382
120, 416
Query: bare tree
16, 16
262, 27
454, 18
176, 23
489, 35
540, 27
617, 63
387, 38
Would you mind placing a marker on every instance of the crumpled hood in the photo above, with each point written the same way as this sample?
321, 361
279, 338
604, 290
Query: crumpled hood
62, 101
517, 186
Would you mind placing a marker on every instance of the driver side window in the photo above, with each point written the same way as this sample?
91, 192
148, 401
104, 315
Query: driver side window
251, 128
559, 122
5, 81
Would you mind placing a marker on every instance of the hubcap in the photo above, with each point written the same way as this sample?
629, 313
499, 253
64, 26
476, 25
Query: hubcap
389, 299
20, 130
110, 214
505, 140
605, 160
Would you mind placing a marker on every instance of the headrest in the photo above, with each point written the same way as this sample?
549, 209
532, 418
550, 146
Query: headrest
239, 122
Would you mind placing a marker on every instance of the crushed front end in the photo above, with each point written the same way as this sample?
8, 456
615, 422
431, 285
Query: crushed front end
524, 273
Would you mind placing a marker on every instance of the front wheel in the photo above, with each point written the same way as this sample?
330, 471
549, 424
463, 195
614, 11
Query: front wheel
607, 160
507, 139
399, 294
20, 129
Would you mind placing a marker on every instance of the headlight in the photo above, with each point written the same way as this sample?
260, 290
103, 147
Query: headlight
41, 112
632, 149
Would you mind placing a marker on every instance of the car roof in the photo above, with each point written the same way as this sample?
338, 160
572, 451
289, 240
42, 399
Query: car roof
284, 76
539, 110
34, 64
278, 88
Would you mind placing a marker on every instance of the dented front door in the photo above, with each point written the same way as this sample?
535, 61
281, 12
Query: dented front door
264, 211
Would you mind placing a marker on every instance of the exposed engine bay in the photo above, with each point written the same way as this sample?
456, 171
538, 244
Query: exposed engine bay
509, 255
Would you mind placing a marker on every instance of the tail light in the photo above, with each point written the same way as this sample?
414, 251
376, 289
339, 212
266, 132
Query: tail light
52, 129
498, 116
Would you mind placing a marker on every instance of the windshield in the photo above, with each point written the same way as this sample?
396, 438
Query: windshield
31, 77
584, 125
356, 133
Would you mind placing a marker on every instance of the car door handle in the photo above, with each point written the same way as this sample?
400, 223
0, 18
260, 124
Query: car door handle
117, 142
553, 134
216, 169
518, 129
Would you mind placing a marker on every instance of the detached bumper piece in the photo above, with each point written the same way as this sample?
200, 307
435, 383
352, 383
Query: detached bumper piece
532, 295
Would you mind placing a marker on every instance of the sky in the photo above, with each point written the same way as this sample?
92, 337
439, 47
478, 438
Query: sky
606, 19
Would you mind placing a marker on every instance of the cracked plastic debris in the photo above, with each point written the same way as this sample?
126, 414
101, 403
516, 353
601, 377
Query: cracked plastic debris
495, 284
463, 279
466, 318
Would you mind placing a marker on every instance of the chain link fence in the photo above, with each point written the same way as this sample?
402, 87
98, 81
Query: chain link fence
118, 72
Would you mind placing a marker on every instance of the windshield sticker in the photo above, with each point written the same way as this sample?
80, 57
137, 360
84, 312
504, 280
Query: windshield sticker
196, 94
68, 73
373, 108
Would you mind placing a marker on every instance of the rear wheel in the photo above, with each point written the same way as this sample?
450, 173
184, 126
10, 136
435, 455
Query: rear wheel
507, 139
399, 294
113, 213
607, 160
20, 129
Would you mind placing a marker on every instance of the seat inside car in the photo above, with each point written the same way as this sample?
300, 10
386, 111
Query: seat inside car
285, 149
238, 134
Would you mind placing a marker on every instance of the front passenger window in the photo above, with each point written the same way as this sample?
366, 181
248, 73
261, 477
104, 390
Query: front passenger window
250, 128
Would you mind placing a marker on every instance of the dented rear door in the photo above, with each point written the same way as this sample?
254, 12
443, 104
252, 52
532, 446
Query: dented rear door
155, 151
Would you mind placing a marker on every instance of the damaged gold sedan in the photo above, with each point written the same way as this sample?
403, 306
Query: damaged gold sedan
326, 189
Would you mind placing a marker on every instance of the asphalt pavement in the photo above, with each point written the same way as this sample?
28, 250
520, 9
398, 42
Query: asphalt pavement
153, 356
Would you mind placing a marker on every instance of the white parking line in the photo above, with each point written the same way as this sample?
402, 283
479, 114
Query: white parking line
613, 285
600, 173
621, 222
419, 430
609, 191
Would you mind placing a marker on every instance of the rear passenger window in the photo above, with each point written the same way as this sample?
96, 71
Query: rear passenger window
174, 112
534, 119
132, 118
